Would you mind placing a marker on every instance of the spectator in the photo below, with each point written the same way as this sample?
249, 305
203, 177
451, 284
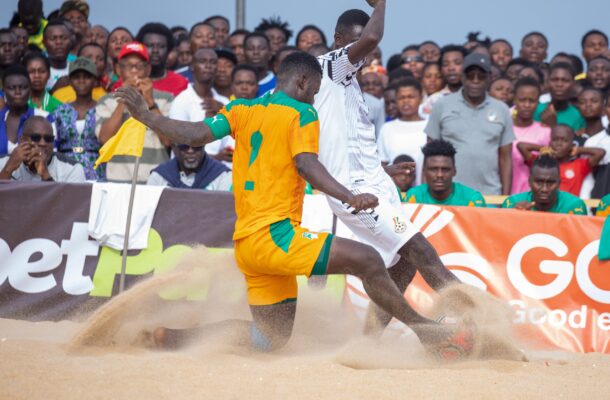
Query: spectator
598, 73
184, 56
403, 180
545, 194
280, 56
318, 50
17, 89
226, 63
22, 40
200, 100
480, 127
432, 80
439, 171
559, 110
413, 61
277, 32
95, 53
30, 15
118, 38
515, 66
594, 44
77, 13
223, 27
134, 70
603, 209
502, 89
56, 39
405, 135
501, 53
203, 36
452, 68
430, 52
38, 68
534, 46
236, 44
191, 169
179, 31
308, 36
75, 121
98, 34
244, 82
573, 169
257, 49
389, 103
158, 40
34, 159
527, 92
371, 83
533, 72
8, 50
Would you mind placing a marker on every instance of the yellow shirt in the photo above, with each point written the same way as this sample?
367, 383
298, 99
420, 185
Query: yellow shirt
67, 94
269, 132
37, 37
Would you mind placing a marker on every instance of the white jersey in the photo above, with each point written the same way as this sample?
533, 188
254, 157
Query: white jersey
348, 148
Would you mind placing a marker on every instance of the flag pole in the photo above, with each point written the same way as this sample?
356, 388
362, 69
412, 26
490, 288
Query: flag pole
134, 180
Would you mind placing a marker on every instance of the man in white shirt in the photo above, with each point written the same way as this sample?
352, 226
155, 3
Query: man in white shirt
349, 152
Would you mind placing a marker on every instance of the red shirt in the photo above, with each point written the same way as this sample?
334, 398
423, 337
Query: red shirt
572, 175
172, 83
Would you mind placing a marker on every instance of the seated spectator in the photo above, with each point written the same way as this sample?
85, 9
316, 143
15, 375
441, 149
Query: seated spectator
77, 13
573, 169
308, 36
75, 121
403, 180
244, 82
439, 171
191, 169
603, 209
545, 194
15, 113
430, 52
501, 53
95, 53
559, 110
534, 46
226, 62
236, 44
527, 92
34, 159
134, 70
598, 73
31, 18
405, 134
276, 31
502, 89
257, 49
9, 50
223, 27
38, 68
56, 39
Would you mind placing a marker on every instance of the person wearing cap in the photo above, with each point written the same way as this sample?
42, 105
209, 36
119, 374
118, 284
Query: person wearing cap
77, 13
226, 62
75, 121
97, 54
134, 68
479, 127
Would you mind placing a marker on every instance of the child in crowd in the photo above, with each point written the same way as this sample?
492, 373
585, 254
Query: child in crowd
502, 89
403, 181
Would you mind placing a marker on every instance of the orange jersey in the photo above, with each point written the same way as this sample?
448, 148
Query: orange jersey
269, 132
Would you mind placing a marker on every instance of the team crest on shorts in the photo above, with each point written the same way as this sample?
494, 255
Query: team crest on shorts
399, 226
310, 236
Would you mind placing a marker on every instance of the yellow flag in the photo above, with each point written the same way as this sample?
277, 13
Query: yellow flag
128, 141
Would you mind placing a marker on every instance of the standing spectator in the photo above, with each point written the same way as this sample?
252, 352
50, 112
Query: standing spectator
371, 83
432, 80
9, 50
598, 73
413, 61
34, 160
527, 92
134, 70
95, 53
38, 68
77, 13
594, 44
257, 49
559, 110
203, 36
308, 36
405, 135
56, 39
244, 82
515, 66
480, 127
226, 62
16, 83
502, 89
534, 46
430, 52
75, 121
389, 103
223, 27
98, 34
22, 40
30, 15
452, 68
236, 44
184, 56
118, 38
501, 53
280, 56
158, 40
277, 32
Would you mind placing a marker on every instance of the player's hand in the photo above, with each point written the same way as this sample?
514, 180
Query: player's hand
362, 201
525, 205
549, 116
132, 99
400, 168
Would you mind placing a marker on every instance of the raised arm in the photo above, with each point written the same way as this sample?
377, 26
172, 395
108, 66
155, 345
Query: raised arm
595, 154
191, 133
371, 34
526, 150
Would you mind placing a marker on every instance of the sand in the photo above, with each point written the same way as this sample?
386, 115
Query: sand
106, 356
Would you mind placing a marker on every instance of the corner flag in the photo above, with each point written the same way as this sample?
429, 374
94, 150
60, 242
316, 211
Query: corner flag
128, 141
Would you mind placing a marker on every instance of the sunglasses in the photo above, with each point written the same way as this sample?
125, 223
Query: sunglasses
407, 60
185, 147
35, 137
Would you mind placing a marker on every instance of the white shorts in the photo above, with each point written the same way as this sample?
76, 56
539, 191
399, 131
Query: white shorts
387, 228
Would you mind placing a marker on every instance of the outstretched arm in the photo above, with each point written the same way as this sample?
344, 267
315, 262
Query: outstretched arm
314, 172
191, 133
371, 34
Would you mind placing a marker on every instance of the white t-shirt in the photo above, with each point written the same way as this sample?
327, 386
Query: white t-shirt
348, 147
402, 137
55, 74
187, 107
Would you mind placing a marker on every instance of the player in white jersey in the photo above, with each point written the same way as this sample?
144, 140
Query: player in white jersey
348, 150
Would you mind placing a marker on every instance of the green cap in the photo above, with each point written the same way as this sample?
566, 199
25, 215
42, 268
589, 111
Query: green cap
83, 64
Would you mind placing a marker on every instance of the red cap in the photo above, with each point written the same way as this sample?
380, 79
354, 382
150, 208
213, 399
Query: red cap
134, 48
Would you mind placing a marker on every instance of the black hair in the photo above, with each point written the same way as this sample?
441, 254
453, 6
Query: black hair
244, 67
600, 57
535, 33
274, 23
537, 70
55, 22
55, 14
259, 35
177, 28
32, 6
285, 48
408, 82
429, 42
403, 158
579, 67
91, 44
239, 32
159, 29
399, 74
439, 147
8, 31
563, 126
120, 28
520, 61
299, 63
222, 17
34, 119
430, 64
411, 47
394, 62
198, 24
527, 81
591, 33
589, 88
546, 161
319, 46
36, 56
562, 65
312, 28
474, 37
452, 48
351, 18
502, 41
15, 70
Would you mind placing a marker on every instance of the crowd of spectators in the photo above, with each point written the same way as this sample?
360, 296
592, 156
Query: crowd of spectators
477, 118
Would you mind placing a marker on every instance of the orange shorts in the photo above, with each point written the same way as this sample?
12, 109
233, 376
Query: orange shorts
272, 257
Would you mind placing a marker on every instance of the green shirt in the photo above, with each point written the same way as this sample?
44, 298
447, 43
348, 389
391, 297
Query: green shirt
603, 210
460, 196
570, 116
566, 203
49, 103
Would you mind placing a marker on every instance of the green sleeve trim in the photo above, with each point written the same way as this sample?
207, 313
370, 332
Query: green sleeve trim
219, 125
319, 268
282, 234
